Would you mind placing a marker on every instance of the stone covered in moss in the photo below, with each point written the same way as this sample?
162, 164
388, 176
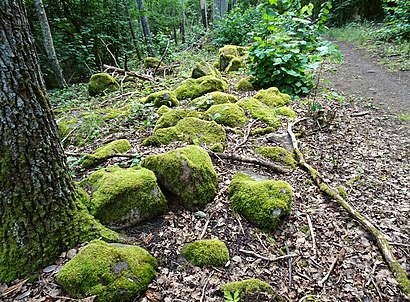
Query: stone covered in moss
285, 111
279, 155
213, 98
260, 111
272, 97
217, 148
110, 272
228, 114
124, 197
206, 252
231, 57
100, 83
101, 153
262, 131
151, 62
162, 110
264, 203
171, 117
193, 88
191, 130
187, 173
164, 97
246, 287
244, 85
203, 69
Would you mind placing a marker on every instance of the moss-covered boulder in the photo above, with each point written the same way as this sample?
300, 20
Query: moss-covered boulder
100, 83
247, 287
279, 155
101, 153
203, 69
164, 97
110, 272
231, 57
260, 111
264, 203
151, 62
193, 88
228, 114
244, 85
124, 197
171, 117
187, 173
272, 97
192, 130
213, 98
285, 111
206, 252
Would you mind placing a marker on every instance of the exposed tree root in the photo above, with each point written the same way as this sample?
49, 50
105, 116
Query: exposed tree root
382, 243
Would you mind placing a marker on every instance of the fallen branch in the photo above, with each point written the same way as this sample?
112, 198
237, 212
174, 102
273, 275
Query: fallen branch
382, 243
312, 234
267, 258
130, 73
250, 160
332, 266
205, 285
357, 114
246, 136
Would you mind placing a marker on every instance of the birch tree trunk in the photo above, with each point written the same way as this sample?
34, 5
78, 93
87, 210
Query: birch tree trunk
145, 28
40, 210
48, 43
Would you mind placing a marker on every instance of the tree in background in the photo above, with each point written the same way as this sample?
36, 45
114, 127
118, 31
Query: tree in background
145, 28
40, 209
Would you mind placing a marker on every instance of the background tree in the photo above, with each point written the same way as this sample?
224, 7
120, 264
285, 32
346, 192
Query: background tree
145, 28
40, 209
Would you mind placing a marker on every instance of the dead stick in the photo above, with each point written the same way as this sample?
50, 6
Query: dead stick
246, 136
130, 73
204, 230
382, 243
332, 266
267, 258
205, 285
289, 268
312, 234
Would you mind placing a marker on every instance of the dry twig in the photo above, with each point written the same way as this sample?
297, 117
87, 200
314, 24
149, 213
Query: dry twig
332, 266
246, 136
312, 234
205, 285
129, 73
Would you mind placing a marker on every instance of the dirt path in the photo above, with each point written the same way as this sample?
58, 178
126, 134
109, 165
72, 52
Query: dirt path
360, 76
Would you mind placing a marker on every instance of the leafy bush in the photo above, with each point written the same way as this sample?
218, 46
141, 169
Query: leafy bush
397, 20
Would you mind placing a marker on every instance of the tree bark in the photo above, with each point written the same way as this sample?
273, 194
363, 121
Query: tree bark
48, 43
133, 34
40, 212
183, 23
204, 13
145, 28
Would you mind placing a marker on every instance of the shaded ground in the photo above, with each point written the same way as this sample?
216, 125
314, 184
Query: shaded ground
364, 149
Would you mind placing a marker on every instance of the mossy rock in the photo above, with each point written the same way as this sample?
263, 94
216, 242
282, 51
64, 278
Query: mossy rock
193, 88
247, 287
66, 125
162, 110
151, 62
101, 153
272, 97
100, 83
231, 57
171, 117
286, 111
264, 203
244, 85
165, 97
213, 98
187, 173
262, 131
110, 272
279, 155
203, 69
228, 114
191, 130
260, 111
124, 197
206, 252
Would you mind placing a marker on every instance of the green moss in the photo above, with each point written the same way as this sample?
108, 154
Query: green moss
260, 111
262, 131
244, 85
162, 110
203, 69
191, 130
217, 148
193, 88
279, 155
186, 172
65, 126
112, 273
100, 83
263, 203
213, 98
206, 252
285, 111
342, 192
231, 57
172, 117
124, 197
227, 114
160, 98
247, 287
100, 154
235, 64
272, 97
151, 62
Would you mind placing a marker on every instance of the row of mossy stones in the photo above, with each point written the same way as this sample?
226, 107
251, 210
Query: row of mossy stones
125, 197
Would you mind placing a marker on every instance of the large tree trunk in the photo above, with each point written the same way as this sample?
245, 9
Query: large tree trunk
145, 28
48, 43
40, 212
132, 29
204, 13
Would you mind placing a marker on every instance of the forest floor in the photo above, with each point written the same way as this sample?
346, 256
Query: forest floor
361, 143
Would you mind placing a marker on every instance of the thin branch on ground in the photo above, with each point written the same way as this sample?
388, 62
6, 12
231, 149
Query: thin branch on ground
332, 266
266, 258
312, 234
205, 285
289, 267
204, 229
245, 137
129, 73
